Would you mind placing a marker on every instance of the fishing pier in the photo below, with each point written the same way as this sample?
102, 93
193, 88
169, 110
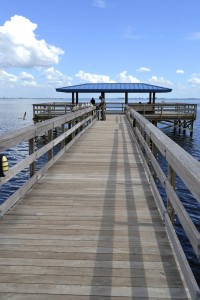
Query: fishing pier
90, 222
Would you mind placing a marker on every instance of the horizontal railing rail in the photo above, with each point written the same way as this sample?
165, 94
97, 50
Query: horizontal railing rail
151, 141
68, 129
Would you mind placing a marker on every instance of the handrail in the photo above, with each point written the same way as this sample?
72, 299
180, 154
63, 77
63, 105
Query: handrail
71, 126
150, 141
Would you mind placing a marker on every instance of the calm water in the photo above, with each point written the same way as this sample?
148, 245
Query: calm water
11, 116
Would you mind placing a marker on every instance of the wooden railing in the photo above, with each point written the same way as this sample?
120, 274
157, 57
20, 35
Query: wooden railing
162, 110
150, 141
51, 109
54, 109
70, 126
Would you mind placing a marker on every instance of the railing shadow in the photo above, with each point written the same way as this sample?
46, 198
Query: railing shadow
170, 272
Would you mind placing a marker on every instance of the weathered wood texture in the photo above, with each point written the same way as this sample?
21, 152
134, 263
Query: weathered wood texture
89, 229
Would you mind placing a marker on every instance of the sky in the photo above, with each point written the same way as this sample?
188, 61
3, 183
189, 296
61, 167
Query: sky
49, 44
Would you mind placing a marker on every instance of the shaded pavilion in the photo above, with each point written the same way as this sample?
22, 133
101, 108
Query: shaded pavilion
104, 88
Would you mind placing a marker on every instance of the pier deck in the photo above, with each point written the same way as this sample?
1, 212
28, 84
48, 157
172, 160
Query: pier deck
89, 229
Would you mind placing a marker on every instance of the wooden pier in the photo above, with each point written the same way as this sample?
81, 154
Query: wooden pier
181, 115
90, 227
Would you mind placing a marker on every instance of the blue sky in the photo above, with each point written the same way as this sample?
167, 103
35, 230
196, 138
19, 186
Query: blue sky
48, 44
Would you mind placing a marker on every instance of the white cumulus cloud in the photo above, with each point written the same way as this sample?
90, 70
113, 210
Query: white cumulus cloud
6, 78
92, 78
125, 78
194, 81
180, 72
159, 81
19, 46
55, 77
12, 81
26, 76
144, 69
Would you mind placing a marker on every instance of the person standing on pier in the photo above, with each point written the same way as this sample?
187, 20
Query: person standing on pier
92, 101
102, 106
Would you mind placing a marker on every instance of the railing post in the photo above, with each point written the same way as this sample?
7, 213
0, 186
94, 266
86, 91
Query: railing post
70, 136
155, 154
148, 142
50, 138
73, 124
191, 128
31, 151
63, 141
172, 181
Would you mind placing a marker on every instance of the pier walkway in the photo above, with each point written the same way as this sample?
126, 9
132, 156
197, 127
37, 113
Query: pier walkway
89, 229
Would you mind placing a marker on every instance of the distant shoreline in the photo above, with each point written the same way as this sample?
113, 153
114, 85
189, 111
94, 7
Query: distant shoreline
88, 97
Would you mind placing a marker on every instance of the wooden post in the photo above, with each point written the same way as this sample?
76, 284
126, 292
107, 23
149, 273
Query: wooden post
154, 97
73, 99
31, 151
184, 126
126, 97
148, 142
50, 138
155, 153
172, 181
76, 98
191, 128
63, 141
73, 124
149, 98
70, 136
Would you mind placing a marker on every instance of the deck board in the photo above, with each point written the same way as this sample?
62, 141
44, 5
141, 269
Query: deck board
89, 229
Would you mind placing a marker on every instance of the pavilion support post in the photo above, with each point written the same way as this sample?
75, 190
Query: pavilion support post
149, 97
72, 98
76, 98
154, 98
103, 95
126, 97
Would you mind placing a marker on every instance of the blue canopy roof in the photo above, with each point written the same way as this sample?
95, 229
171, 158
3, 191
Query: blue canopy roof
114, 88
